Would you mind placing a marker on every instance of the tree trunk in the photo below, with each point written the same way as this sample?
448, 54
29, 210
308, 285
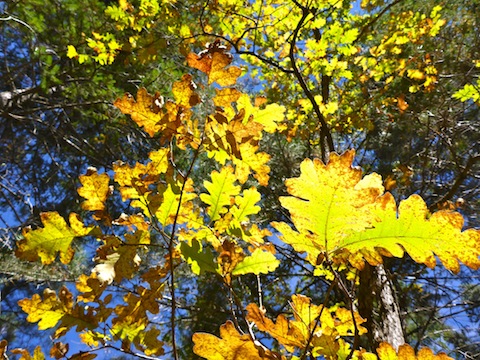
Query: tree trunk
377, 304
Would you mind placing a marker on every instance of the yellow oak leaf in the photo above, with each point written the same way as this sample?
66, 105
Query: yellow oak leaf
127, 328
37, 354
132, 330
246, 205
144, 111
251, 160
47, 311
312, 324
156, 116
136, 182
176, 207
52, 309
137, 304
230, 346
95, 189
406, 352
92, 338
55, 237
184, 92
225, 97
422, 235
268, 117
259, 262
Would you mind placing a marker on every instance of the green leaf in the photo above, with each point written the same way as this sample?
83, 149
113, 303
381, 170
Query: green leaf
221, 192
200, 261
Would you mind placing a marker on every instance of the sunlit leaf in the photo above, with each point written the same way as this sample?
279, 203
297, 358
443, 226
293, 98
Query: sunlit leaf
94, 189
25, 355
184, 92
341, 214
260, 262
221, 192
422, 235
246, 205
406, 352
215, 63
312, 324
55, 237
230, 346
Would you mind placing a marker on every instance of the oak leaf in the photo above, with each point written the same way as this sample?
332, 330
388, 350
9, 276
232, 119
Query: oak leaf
315, 325
200, 259
52, 309
156, 116
37, 354
137, 182
406, 352
339, 214
225, 97
259, 262
176, 202
94, 189
184, 92
144, 111
215, 61
246, 205
230, 346
422, 235
55, 237
268, 117
221, 192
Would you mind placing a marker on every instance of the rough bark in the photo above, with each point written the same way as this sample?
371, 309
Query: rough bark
377, 303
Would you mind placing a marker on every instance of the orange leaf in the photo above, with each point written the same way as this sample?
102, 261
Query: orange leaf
214, 62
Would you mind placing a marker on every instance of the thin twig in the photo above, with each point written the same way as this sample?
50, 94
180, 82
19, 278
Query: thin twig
325, 135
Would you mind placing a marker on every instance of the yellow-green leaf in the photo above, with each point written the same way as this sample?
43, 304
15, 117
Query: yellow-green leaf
421, 234
55, 237
246, 204
328, 202
47, 311
221, 192
339, 214
260, 262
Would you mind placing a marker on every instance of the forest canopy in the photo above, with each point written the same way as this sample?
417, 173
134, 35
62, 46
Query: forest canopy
240, 179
